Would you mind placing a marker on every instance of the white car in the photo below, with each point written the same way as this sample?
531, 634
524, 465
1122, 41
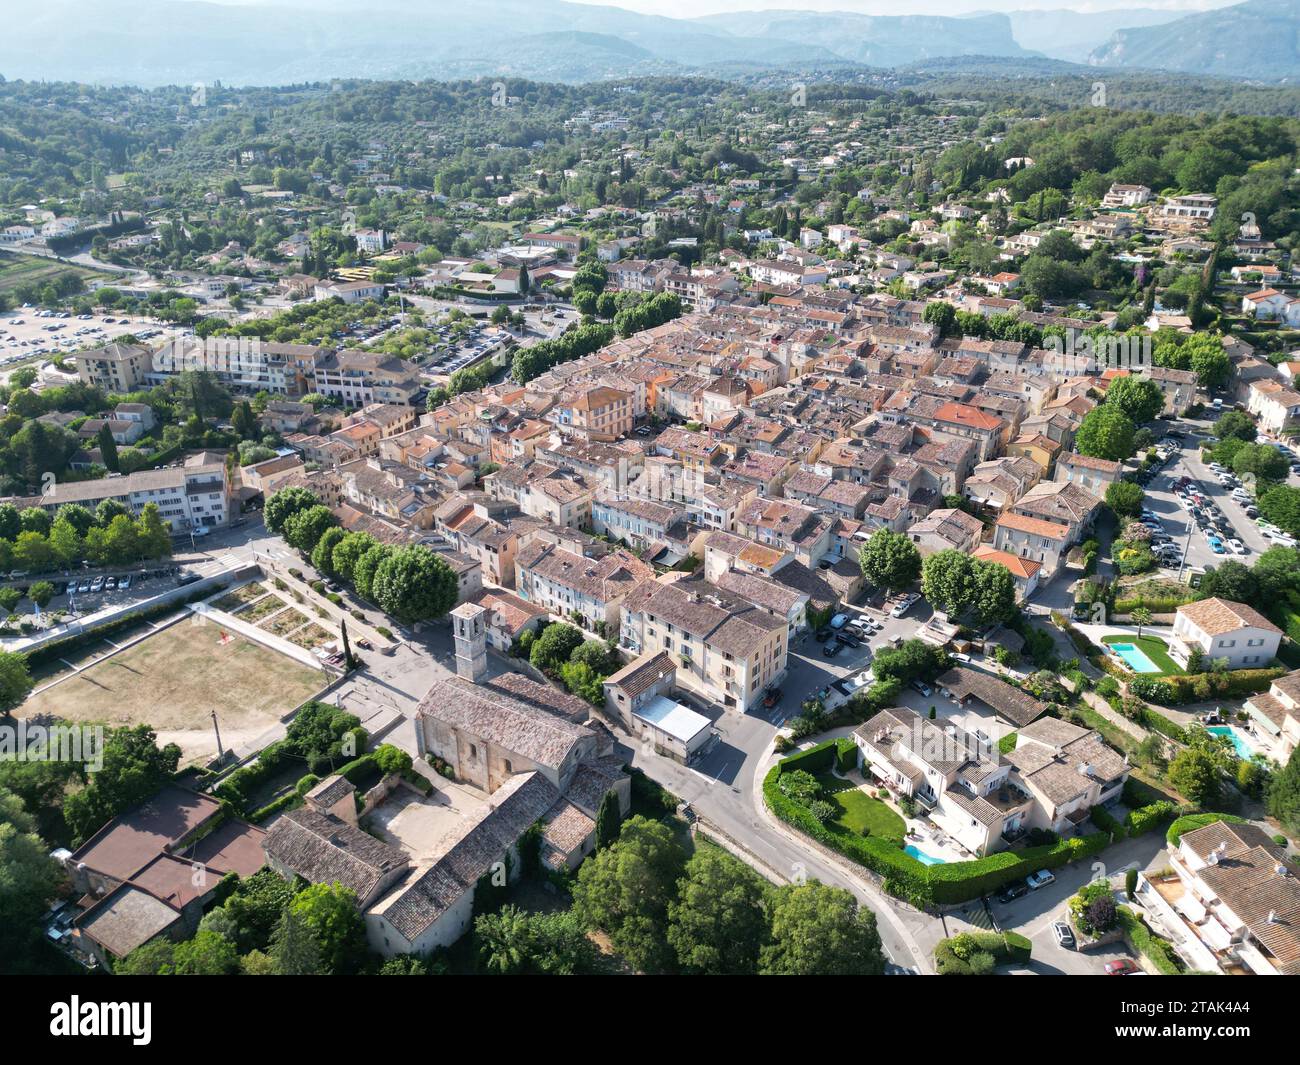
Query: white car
1236, 547
900, 610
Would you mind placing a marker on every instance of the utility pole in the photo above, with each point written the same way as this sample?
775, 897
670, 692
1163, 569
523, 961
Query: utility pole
221, 754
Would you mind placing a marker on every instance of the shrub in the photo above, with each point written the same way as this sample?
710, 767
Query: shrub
1147, 943
1147, 818
1130, 882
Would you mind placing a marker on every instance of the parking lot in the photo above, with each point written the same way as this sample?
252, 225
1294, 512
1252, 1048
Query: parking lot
1190, 525
28, 334
87, 593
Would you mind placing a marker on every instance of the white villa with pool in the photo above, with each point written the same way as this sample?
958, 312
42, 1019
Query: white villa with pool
1222, 629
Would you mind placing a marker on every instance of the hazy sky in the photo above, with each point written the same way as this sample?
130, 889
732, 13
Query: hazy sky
692, 8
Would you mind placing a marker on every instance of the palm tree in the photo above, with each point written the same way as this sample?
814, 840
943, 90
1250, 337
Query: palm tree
1140, 616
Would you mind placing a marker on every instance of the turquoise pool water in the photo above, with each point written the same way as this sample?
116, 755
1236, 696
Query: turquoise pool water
1239, 742
922, 857
1134, 657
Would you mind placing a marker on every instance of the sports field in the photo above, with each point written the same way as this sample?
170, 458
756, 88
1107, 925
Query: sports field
173, 680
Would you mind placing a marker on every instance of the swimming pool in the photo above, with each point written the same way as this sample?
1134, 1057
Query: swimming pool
922, 857
1134, 657
1243, 747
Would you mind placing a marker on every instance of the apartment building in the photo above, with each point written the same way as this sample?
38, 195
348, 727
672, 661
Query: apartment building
1094, 475
571, 585
600, 413
724, 648
1044, 542
359, 378
195, 495
1230, 901
114, 367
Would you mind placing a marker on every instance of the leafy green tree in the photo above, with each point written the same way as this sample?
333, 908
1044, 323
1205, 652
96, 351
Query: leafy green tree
404, 965
304, 529
32, 552
10, 523
1232, 580
1138, 397
1211, 365
1262, 460
65, 542
153, 535
609, 818
322, 555
1235, 423
134, 768
28, 879
295, 949
947, 581
109, 509
281, 505
348, 551
1195, 773
1125, 498
821, 931
244, 421
625, 889
330, 913
1106, 432
554, 646
718, 922
41, 593
15, 681
363, 573
1280, 504
207, 954
108, 448
515, 942
890, 560
993, 593
414, 584
1284, 794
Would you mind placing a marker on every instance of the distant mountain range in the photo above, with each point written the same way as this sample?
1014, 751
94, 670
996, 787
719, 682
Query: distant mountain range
275, 42
1257, 39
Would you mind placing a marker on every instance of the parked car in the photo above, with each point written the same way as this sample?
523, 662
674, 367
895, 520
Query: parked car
832, 649
97, 585
923, 688
1122, 967
848, 639
771, 697
1013, 891
839, 621
1040, 879
123, 583
823, 635
1063, 935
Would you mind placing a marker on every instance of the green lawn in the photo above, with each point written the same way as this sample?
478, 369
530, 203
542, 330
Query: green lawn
1154, 648
858, 810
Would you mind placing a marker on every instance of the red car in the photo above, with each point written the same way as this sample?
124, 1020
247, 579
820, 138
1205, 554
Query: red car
1122, 967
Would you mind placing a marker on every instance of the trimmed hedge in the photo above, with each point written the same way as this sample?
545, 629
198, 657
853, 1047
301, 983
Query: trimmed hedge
1000, 947
1194, 821
1147, 943
904, 876
1176, 690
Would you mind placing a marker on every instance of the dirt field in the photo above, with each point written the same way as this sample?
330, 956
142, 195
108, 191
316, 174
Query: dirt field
174, 679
